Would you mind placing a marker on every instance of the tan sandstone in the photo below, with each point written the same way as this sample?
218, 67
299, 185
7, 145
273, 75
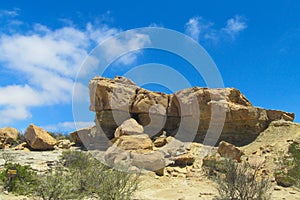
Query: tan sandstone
39, 139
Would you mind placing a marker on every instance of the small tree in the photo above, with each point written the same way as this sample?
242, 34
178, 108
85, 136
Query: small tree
56, 185
241, 182
288, 172
92, 177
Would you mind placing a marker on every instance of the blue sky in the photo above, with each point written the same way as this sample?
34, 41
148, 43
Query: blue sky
255, 45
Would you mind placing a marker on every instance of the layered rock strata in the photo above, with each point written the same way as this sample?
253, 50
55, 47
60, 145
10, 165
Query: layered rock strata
192, 114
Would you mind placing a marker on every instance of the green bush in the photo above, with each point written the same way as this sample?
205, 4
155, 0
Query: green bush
92, 177
21, 138
288, 173
59, 135
23, 182
56, 185
80, 176
241, 182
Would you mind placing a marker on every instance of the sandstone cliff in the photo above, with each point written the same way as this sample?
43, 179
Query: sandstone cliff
187, 114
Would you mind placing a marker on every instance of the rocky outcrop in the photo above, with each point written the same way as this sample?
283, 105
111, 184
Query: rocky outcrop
134, 149
189, 114
8, 136
39, 139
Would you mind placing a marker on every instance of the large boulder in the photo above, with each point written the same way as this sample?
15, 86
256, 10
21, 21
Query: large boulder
129, 127
90, 138
189, 113
228, 150
152, 161
134, 142
126, 159
8, 136
39, 139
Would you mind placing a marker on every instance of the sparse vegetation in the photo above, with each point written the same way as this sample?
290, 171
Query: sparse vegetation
21, 138
56, 185
59, 135
288, 173
81, 175
92, 177
18, 179
241, 182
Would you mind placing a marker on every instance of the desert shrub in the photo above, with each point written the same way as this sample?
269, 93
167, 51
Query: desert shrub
56, 185
241, 182
80, 165
23, 182
213, 164
113, 184
92, 177
7, 157
288, 172
80, 176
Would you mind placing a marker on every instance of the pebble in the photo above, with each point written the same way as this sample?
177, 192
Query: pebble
277, 188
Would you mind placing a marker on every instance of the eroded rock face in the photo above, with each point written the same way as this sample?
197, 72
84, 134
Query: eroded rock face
39, 139
187, 114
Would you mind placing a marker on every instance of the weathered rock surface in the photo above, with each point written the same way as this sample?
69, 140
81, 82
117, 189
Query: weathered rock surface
22, 146
8, 135
140, 158
188, 113
129, 127
152, 161
64, 144
91, 138
184, 159
134, 142
160, 141
39, 139
228, 150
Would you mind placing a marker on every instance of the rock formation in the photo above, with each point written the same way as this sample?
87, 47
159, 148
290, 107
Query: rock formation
8, 135
39, 139
187, 114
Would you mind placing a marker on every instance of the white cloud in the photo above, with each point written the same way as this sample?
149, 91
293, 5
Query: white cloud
193, 28
67, 126
48, 61
130, 42
235, 25
9, 13
99, 34
202, 30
